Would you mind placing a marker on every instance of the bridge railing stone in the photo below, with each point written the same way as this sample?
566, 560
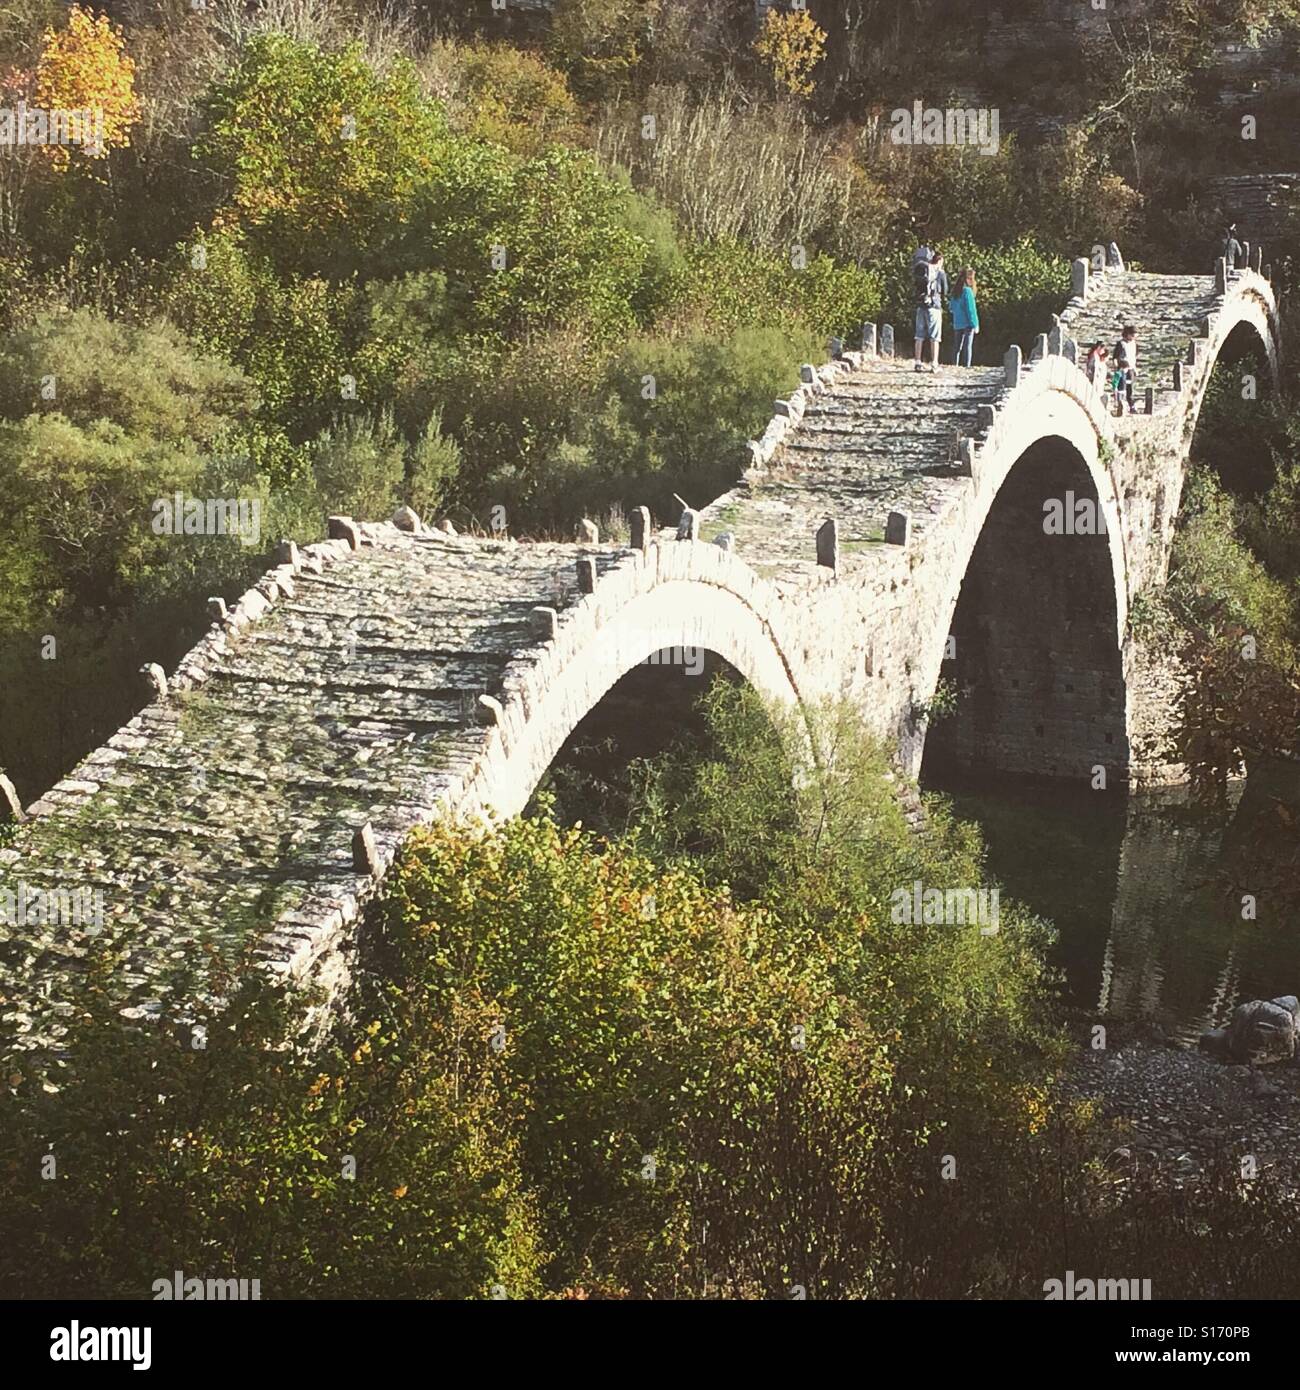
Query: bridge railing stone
828, 544
1012, 365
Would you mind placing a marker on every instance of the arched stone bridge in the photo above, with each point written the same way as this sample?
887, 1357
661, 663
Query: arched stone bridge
387, 676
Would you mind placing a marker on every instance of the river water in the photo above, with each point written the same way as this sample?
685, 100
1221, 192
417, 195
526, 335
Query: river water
1146, 894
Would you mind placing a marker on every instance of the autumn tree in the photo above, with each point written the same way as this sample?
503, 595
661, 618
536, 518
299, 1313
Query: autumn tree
790, 47
84, 67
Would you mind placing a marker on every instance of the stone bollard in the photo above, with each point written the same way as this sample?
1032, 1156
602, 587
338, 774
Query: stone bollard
1079, 279
1114, 261
343, 528
984, 417
10, 794
784, 408
546, 622
1196, 349
836, 347
896, 529
1040, 348
217, 608
1268, 273
726, 541
1011, 364
586, 575
966, 457
828, 544
286, 553
638, 525
1056, 340
365, 853
869, 339
808, 374
887, 340
155, 678
1257, 259
688, 528
408, 519
1221, 275
1151, 400
1178, 376
588, 532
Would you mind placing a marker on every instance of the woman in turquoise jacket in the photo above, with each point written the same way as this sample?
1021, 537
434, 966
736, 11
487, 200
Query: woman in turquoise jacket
965, 316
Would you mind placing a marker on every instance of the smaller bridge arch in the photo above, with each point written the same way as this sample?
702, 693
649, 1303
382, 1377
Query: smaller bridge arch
689, 596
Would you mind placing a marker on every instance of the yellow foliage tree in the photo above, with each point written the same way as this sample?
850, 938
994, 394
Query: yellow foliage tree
84, 67
791, 45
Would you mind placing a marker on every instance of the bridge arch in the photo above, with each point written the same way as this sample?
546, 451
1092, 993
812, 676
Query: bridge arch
690, 596
1051, 441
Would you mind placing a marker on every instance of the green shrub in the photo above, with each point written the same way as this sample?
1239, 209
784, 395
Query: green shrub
360, 465
148, 380
320, 154
694, 1063
381, 1169
741, 287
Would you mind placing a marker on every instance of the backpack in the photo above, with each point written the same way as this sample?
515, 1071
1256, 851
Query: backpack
922, 283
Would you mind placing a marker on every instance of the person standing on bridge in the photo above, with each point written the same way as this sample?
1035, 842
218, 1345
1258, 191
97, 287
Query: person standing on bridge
930, 284
965, 317
1126, 366
1233, 251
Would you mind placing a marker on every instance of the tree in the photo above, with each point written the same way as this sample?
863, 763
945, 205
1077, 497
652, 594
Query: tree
85, 67
320, 154
790, 46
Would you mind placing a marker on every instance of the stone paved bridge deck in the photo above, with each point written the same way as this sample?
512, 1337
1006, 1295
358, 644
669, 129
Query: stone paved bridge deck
391, 675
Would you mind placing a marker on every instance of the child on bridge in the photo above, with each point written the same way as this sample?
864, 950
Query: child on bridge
965, 317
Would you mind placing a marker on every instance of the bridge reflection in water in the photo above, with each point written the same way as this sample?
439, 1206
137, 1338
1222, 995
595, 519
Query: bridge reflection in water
1145, 891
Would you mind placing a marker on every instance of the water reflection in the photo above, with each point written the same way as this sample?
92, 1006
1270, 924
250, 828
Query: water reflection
1146, 893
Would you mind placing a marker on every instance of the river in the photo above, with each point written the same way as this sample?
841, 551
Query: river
1146, 894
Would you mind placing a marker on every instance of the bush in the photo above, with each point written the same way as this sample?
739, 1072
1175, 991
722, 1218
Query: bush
504, 94
698, 1064
321, 155
601, 42
377, 1170
360, 465
148, 380
734, 285
712, 393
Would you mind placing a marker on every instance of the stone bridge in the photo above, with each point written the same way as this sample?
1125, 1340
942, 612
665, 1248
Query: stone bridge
392, 674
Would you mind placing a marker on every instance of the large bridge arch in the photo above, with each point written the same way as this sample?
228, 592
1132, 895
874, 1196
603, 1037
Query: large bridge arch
1052, 441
